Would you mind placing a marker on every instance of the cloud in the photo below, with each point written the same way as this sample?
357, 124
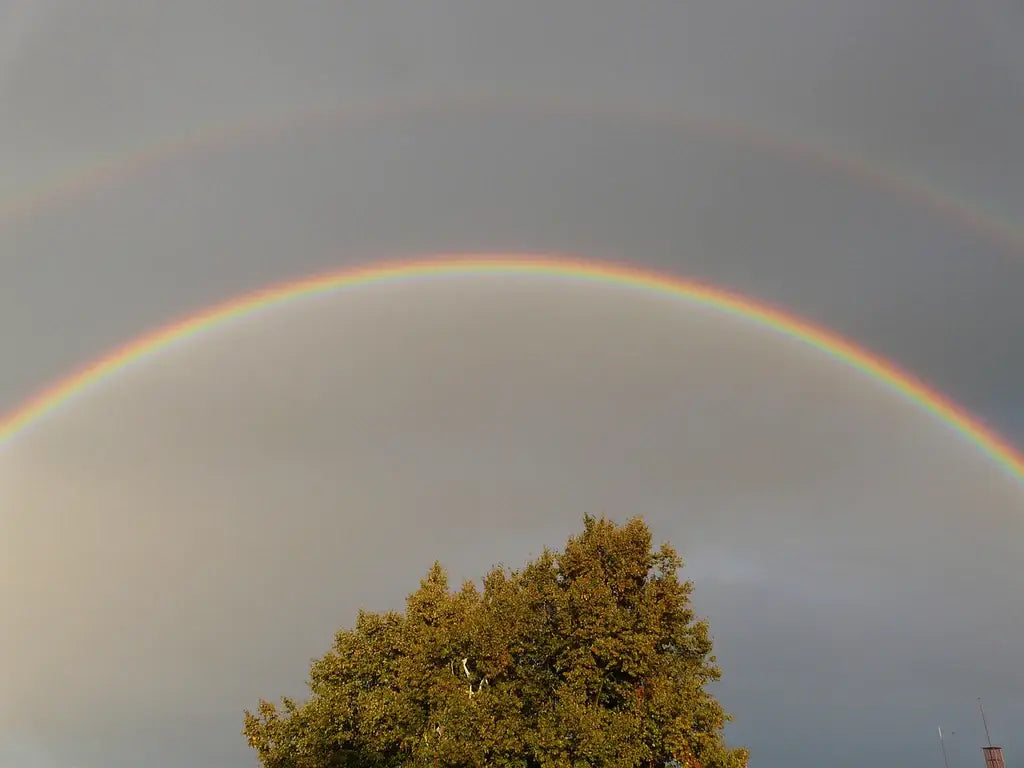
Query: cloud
857, 561
19, 20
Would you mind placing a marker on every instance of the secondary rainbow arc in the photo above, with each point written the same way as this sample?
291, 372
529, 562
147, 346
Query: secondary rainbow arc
125, 164
738, 305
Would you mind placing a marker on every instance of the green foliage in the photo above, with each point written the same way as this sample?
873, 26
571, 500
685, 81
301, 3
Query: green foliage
588, 657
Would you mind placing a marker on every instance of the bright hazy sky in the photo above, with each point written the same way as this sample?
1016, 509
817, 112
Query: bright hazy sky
182, 540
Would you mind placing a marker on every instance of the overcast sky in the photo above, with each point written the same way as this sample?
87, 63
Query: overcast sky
183, 540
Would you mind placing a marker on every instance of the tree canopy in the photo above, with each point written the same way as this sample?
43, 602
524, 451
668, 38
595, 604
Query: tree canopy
591, 656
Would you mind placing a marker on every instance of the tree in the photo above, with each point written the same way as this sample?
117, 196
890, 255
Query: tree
587, 657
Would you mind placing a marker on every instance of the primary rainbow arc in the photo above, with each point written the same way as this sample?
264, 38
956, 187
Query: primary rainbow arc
737, 305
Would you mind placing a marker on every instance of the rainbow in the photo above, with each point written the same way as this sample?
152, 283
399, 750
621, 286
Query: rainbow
885, 373
124, 165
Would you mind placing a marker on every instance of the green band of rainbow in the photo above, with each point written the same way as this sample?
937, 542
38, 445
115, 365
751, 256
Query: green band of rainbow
871, 365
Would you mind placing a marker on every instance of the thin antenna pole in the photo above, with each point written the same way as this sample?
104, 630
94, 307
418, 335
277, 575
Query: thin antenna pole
942, 743
984, 722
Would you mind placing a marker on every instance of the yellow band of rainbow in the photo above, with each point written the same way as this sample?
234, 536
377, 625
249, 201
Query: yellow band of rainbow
912, 389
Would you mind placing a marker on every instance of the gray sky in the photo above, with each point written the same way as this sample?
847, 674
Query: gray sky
185, 539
